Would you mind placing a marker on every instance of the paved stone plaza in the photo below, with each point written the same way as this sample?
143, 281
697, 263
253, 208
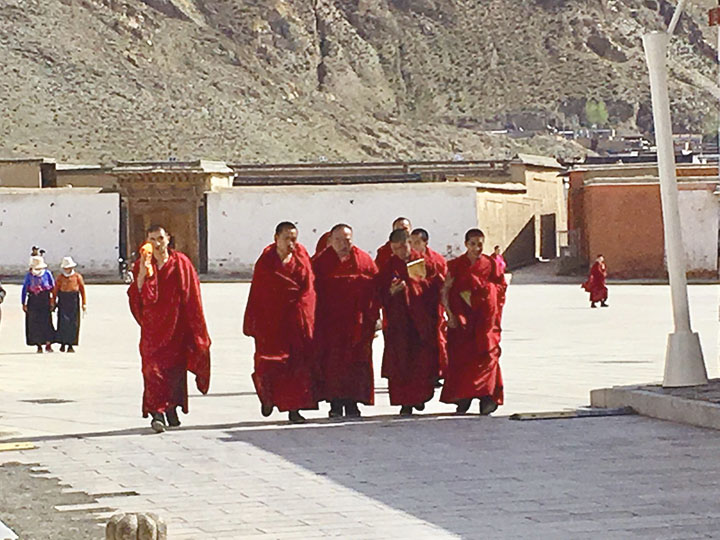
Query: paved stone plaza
229, 473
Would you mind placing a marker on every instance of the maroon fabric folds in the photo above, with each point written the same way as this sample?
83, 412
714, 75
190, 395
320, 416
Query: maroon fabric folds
173, 334
322, 243
410, 359
346, 314
383, 255
441, 268
280, 315
595, 283
474, 346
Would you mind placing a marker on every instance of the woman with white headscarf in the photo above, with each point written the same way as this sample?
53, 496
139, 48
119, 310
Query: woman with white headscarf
69, 292
37, 302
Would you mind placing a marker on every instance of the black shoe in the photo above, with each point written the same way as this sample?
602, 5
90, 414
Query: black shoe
420, 407
439, 382
336, 409
172, 417
296, 418
406, 410
70, 349
266, 410
158, 422
62, 348
592, 304
463, 405
487, 406
604, 304
351, 410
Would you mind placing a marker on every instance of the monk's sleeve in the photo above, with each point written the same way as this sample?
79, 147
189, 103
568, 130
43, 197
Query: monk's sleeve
250, 320
136, 298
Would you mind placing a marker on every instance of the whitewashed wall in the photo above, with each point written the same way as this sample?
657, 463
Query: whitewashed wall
242, 220
81, 223
699, 210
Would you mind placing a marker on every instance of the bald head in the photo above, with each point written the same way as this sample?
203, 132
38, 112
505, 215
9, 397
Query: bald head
402, 223
341, 239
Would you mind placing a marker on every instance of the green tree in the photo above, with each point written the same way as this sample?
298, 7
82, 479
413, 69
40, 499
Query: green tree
596, 112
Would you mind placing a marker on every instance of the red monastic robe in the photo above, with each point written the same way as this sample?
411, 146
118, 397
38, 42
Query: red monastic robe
474, 346
383, 255
595, 283
440, 264
280, 315
322, 243
173, 333
410, 358
347, 311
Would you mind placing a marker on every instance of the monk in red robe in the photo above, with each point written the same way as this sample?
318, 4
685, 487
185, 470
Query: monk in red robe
347, 311
322, 243
384, 252
419, 239
280, 315
470, 296
595, 283
165, 301
409, 299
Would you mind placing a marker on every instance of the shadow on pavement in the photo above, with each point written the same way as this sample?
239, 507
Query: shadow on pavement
252, 425
473, 476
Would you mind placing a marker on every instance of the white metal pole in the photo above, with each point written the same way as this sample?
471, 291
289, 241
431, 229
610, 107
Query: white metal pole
684, 363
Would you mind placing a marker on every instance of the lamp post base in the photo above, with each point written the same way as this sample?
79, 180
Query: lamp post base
684, 363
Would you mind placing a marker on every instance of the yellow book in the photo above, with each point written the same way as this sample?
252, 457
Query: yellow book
416, 269
467, 296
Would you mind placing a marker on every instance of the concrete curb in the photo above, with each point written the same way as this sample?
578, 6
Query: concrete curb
657, 405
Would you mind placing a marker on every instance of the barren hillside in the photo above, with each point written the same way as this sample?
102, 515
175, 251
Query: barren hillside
290, 80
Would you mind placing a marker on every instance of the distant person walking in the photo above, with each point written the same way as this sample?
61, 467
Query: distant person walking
595, 283
37, 302
69, 295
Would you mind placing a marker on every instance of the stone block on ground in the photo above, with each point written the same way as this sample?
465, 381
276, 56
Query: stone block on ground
136, 526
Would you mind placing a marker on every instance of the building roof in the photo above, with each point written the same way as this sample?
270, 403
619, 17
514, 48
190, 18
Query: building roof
197, 166
538, 161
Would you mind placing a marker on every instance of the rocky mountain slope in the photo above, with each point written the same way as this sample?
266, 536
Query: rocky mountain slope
291, 80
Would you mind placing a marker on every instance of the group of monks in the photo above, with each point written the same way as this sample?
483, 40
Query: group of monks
314, 319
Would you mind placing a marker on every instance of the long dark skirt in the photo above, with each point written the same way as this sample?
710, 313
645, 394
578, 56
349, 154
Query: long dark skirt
68, 330
38, 320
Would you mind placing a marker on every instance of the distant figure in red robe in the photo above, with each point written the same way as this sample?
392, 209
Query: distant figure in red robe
419, 242
322, 243
595, 283
165, 301
384, 252
346, 314
410, 306
280, 315
470, 296
500, 267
